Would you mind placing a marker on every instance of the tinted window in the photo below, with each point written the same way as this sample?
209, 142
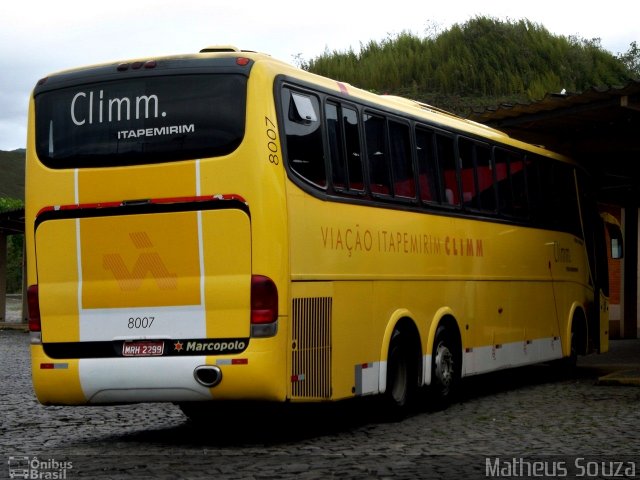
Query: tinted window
352, 140
511, 183
336, 148
401, 160
142, 120
427, 166
484, 174
344, 147
476, 175
303, 133
377, 155
559, 206
448, 171
466, 151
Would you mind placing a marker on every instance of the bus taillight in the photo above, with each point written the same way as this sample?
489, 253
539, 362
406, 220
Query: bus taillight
264, 306
34, 308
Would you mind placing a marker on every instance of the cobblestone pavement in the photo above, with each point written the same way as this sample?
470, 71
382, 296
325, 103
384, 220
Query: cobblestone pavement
528, 414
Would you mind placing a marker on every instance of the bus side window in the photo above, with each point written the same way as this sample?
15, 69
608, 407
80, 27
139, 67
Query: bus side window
511, 183
448, 170
484, 172
304, 136
375, 132
535, 190
466, 151
615, 239
427, 167
476, 175
344, 147
336, 153
401, 161
565, 206
352, 141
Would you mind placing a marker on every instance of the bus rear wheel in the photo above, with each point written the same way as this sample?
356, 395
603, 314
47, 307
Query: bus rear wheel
401, 377
445, 368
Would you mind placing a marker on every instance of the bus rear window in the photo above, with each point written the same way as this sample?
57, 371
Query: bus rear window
141, 120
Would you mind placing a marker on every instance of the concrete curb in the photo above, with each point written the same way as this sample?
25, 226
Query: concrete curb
628, 377
14, 326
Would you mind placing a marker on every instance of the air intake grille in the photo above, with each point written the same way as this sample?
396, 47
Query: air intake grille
311, 348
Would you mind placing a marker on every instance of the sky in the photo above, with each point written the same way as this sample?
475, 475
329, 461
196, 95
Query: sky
39, 37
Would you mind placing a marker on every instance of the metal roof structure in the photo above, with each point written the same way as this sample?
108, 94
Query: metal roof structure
599, 127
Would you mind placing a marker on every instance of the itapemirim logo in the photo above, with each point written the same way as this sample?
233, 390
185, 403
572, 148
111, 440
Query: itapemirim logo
34, 468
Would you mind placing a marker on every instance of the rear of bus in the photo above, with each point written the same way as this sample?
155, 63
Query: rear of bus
156, 233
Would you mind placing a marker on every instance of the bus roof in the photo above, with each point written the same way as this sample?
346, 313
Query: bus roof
404, 105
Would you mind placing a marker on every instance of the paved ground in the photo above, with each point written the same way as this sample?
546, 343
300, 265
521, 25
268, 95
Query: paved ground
504, 424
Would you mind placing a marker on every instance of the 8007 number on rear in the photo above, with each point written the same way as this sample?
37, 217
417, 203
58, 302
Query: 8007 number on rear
140, 322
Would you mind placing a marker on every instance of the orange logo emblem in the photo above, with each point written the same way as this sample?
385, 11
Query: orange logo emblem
148, 262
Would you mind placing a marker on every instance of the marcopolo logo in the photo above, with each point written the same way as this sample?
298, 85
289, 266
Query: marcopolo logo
209, 346
36, 468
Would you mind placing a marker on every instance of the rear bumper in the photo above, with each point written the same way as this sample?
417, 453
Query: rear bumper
256, 374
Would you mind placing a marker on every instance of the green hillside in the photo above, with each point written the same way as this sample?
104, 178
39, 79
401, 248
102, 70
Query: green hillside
12, 174
482, 62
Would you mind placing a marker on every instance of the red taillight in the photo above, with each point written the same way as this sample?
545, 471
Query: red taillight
242, 61
264, 300
33, 304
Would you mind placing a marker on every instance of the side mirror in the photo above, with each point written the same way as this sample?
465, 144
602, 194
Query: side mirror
616, 242
615, 235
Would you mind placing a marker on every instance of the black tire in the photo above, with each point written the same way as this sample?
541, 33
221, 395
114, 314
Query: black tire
445, 368
402, 377
568, 366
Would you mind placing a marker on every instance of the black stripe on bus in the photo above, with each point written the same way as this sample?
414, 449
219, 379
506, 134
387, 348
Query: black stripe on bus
171, 348
141, 207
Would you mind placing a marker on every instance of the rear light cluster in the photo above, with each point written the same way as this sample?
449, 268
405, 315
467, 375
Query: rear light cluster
33, 305
264, 306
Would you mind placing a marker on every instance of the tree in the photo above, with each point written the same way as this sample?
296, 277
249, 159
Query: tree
9, 204
480, 63
14, 248
632, 59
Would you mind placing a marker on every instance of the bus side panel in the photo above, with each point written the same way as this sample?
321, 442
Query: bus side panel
511, 289
357, 340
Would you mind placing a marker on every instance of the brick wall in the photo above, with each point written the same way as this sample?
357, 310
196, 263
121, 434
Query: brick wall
615, 266
615, 279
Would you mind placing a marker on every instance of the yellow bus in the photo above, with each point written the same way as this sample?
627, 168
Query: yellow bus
223, 226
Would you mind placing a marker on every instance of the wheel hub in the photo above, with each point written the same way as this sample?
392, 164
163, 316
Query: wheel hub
444, 365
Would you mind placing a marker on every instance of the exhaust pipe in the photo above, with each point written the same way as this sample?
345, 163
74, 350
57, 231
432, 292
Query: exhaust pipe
208, 375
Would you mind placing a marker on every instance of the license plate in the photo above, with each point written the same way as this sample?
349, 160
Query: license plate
142, 349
